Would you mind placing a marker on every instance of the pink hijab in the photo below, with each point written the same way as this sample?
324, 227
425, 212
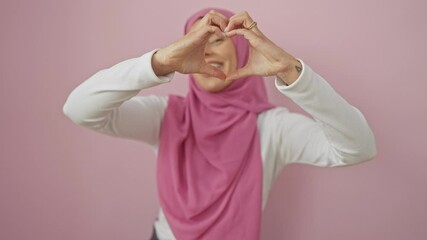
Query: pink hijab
209, 168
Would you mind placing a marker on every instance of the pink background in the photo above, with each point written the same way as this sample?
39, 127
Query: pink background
61, 181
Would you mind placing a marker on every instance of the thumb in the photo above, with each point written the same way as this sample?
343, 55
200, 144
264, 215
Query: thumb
213, 71
239, 73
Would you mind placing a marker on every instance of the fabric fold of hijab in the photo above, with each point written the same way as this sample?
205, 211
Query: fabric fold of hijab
209, 168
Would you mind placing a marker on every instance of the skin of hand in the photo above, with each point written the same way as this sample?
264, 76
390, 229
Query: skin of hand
266, 58
187, 55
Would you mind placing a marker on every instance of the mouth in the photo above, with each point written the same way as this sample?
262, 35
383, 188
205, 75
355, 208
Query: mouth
216, 64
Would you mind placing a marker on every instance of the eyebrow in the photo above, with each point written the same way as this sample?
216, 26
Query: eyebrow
216, 39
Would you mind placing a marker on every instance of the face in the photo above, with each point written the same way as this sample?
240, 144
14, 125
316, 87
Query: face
220, 53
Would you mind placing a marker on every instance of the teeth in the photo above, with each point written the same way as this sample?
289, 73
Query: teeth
217, 65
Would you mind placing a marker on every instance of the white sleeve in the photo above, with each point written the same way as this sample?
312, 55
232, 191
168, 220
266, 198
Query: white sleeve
107, 102
339, 135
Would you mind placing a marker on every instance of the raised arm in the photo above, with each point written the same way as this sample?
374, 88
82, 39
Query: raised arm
336, 135
339, 134
107, 102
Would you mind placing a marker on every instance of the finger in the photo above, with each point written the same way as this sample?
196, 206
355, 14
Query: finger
249, 35
213, 71
238, 74
220, 22
207, 31
223, 19
240, 20
215, 19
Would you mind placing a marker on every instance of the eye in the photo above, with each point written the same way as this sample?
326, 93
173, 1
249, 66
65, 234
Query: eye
217, 41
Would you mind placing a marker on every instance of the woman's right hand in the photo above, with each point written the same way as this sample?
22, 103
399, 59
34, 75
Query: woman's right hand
187, 55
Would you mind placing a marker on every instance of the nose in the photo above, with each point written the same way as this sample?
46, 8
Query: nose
208, 49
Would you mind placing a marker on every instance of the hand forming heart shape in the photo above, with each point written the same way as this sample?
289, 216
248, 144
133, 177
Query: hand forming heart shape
187, 54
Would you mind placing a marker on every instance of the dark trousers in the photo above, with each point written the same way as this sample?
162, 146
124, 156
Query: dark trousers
154, 236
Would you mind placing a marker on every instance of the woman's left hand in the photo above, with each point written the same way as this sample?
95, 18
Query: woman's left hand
266, 58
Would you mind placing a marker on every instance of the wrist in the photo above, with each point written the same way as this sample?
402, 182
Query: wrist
291, 72
159, 64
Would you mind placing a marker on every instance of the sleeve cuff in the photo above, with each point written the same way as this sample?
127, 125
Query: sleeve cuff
146, 60
301, 80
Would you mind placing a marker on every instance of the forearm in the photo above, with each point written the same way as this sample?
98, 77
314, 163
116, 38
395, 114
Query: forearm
106, 90
344, 126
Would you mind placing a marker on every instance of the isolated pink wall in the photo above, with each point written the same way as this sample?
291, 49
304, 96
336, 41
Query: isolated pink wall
60, 181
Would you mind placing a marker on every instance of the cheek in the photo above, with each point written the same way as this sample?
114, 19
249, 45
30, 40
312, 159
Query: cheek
229, 53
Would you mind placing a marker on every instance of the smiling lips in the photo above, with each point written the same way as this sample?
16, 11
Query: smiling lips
216, 64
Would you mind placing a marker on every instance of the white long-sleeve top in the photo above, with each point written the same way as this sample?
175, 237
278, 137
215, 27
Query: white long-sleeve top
338, 135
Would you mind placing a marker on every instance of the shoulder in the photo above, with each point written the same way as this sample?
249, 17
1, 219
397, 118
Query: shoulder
268, 120
280, 118
276, 111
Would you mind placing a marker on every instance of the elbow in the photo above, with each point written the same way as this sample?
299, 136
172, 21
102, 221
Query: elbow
71, 113
79, 116
372, 153
367, 153
362, 152
365, 150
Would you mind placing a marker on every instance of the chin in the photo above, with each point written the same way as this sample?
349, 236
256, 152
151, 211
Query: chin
211, 84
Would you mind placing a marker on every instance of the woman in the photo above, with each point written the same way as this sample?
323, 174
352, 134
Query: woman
221, 147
